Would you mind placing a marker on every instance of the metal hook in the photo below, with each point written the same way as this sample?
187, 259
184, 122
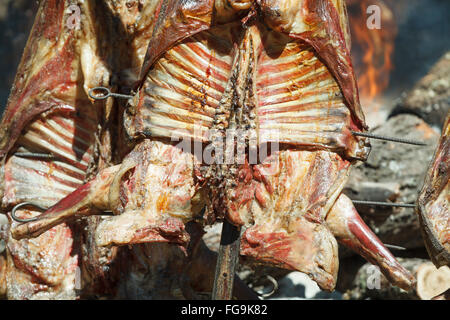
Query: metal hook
392, 139
23, 204
106, 93
274, 287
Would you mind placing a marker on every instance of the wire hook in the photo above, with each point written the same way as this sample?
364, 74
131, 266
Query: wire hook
105, 93
274, 287
23, 204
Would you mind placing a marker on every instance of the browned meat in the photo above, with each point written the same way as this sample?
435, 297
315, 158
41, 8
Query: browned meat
276, 75
433, 204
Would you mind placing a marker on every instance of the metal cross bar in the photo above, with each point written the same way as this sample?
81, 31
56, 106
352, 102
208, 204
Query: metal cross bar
226, 262
392, 139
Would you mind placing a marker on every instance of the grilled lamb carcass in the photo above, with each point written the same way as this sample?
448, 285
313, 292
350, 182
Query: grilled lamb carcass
433, 203
275, 72
49, 113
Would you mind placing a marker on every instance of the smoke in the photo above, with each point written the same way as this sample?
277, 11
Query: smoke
423, 37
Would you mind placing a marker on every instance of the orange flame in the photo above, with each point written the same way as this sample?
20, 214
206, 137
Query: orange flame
372, 49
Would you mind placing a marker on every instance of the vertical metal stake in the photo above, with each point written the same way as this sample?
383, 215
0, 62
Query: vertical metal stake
226, 262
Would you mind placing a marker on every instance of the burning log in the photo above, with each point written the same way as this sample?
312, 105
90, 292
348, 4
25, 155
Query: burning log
430, 98
432, 282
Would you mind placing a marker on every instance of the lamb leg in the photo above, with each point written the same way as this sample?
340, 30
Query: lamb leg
350, 230
85, 200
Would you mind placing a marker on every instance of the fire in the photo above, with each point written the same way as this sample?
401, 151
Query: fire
372, 49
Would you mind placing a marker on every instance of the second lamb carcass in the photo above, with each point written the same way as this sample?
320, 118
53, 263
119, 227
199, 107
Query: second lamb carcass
276, 76
433, 204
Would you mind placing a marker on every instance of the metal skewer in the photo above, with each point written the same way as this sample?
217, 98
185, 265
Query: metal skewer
386, 204
106, 93
392, 139
226, 262
46, 156
391, 246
